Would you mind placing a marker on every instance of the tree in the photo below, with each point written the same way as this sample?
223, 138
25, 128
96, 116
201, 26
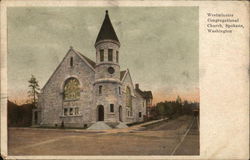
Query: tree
34, 90
178, 99
179, 105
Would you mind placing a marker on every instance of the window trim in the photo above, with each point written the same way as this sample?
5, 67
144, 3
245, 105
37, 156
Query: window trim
75, 111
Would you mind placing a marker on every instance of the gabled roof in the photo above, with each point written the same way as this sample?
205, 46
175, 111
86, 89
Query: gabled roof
148, 94
89, 62
122, 73
145, 94
107, 31
92, 63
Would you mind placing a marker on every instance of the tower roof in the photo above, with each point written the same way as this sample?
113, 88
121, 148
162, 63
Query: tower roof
107, 31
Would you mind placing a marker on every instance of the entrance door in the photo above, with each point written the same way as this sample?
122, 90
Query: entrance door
120, 113
100, 110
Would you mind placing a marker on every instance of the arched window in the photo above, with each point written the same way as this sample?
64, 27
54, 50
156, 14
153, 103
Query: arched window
71, 89
128, 98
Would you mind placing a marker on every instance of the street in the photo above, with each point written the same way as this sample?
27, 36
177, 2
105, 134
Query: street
173, 137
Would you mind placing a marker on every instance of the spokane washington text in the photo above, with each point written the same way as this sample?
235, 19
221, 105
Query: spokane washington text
222, 23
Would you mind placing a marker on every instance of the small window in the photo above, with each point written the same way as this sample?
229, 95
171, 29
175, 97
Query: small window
76, 111
65, 111
101, 55
71, 62
111, 107
100, 89
139, 114
117, 56
111, 70
71, 111
119, 90
110, 54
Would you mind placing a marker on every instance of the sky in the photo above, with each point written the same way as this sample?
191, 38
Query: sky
159, 45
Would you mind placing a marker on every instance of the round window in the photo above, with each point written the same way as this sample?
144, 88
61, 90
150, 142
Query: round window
111, 70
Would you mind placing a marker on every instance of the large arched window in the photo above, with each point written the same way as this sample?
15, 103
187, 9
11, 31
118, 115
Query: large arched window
128, 98
71, 89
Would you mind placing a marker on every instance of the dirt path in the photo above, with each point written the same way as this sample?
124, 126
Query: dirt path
157, 139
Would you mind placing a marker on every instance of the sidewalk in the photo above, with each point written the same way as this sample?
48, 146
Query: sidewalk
115, 130
133, 128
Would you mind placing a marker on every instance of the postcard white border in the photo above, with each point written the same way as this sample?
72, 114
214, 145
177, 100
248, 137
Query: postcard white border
204, 153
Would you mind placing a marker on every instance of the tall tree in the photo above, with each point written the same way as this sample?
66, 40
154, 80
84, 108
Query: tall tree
34, 90
178, 99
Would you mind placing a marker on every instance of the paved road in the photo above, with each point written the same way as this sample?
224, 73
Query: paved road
157, 139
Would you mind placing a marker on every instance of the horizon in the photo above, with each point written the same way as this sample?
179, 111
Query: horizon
162, 56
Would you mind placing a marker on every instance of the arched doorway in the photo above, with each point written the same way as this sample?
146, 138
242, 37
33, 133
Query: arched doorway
100, 113
120, 113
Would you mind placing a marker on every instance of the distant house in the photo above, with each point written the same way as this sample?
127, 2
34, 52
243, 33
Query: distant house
148, 96
81, 92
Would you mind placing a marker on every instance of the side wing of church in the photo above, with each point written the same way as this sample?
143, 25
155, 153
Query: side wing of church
82, 92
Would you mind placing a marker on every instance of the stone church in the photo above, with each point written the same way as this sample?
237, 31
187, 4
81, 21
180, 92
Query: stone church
82, 92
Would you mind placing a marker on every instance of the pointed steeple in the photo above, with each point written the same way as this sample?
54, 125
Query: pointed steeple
107, 31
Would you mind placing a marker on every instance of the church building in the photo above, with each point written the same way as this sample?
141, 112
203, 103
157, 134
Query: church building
82, 92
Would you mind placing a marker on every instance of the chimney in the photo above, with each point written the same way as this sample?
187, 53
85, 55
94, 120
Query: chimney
137, 86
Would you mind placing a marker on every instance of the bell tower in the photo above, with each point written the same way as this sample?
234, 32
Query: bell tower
107, 72
107, 52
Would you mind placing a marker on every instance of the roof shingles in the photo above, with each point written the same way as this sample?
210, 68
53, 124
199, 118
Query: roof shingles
145, 94
107, 31
122, 73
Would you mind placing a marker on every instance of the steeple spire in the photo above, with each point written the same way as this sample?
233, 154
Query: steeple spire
107, 31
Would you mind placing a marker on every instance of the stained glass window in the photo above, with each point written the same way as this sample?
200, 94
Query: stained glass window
71, 89
128, 98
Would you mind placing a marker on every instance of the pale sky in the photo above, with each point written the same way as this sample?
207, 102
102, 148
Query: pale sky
159, 45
